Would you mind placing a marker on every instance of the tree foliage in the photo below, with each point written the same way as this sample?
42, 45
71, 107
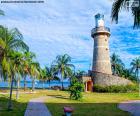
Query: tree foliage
118, 5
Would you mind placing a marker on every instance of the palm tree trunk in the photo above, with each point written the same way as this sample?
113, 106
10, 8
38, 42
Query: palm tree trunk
24, 83
43, 84
17, 92
62, 82
49, 83
33, 84
10, 98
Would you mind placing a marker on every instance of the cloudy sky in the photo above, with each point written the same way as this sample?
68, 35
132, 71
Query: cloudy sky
64, 26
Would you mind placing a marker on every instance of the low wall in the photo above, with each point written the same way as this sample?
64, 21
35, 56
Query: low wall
107, 80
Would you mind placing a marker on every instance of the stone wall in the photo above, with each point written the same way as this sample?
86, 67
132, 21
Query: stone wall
101, 57
107, 80
86, 78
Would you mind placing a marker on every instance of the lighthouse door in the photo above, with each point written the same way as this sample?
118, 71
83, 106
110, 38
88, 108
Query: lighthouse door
89, 85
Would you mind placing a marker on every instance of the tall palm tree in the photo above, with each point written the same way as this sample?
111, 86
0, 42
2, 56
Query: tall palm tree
28, 57
43, 76
50, 72
63, 66
11, 40
34, 70
136, 66
17, 63
118, 5
116, 64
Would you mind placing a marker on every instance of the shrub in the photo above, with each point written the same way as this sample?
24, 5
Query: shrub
76, 89
115, 88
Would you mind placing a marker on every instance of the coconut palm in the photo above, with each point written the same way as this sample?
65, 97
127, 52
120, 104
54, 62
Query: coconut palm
28, 57
118, 5
17, 63
63, 66
51, 75
11, 40
34, 69
116, 64
136, 66
2, 12
43, 76
127, 73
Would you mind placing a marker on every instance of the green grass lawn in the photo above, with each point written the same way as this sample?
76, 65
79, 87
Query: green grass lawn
92, 104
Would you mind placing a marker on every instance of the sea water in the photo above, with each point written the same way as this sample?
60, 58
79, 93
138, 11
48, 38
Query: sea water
38, 84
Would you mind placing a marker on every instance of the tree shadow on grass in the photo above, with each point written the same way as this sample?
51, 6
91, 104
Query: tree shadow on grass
59, 96
18, 108
87, 109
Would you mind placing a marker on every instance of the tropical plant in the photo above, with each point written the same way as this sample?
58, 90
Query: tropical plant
10, 40
43, 76
17, 63
63, 67
76, 89
79, 74
2, 12
127, 73
28, 57
51, 74
34, 70
118, 5
136, 67
116, 64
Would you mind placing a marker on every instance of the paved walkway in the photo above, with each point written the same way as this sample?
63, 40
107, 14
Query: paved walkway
36, 107
131, 106
14, 92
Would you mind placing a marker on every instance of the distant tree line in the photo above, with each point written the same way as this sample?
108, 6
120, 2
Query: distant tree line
118, 68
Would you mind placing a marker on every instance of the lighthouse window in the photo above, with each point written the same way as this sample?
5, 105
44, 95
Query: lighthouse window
105, 39
106, 48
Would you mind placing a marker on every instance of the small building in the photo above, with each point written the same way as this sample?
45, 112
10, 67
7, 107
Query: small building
88, 83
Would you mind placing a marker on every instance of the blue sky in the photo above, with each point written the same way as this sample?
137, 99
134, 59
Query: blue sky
64, 26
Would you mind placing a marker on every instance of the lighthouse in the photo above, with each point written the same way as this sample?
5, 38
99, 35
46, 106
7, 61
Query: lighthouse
101, 56
101, 73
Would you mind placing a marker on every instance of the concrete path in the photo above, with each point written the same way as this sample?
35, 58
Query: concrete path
14, 92
36, 107
131, 106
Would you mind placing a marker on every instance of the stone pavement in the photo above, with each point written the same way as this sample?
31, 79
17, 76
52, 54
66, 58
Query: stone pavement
36, 107
131, 106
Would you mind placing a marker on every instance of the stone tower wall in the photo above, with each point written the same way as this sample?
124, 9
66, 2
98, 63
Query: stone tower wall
108, 80
101, 57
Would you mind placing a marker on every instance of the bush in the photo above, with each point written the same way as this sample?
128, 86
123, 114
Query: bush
76, 89
115, 88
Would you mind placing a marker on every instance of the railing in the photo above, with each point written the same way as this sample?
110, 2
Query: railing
98, 29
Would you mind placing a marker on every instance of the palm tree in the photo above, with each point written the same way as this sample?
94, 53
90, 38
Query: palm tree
34, 70
136, 66
79, 74
17, 63
51, 75
63, 67
2, 12
28, 57
11, 40
127, 73
117, 7
116, 64
43, 76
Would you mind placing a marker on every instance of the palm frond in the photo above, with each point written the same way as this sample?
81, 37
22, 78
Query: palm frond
2, 12
116, 7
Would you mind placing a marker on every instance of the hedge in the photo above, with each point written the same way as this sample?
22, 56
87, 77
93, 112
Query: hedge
116, 89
